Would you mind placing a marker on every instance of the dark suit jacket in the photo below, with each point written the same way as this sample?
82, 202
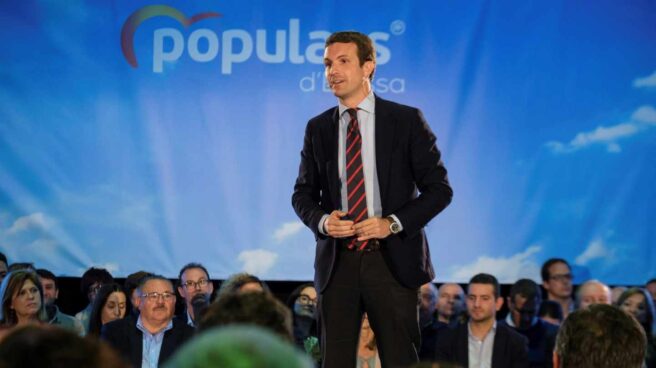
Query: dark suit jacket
510, 349
541, 342
124, 335
412, 179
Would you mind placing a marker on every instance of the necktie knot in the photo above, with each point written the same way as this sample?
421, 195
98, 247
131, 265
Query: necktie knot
353, 113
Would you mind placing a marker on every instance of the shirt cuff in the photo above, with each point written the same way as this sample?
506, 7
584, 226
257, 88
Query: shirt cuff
396, 219
321, 223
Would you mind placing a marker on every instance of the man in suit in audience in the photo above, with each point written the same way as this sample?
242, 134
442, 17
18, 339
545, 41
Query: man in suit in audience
196, 288
482, 342
50, 295
450, 303
523, 303
557, 281
600, 336
151, 338
430, 326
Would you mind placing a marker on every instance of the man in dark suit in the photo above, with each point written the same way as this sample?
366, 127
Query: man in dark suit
155, 329
482, 342
370, 179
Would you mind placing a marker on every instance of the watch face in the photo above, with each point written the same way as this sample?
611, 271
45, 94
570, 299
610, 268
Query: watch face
395, 228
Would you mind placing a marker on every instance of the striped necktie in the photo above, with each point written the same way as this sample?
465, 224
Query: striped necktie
357, 197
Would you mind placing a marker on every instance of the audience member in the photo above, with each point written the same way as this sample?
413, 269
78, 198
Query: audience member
194, 285
615, 293
428, 322
92, 280
482, 342
367, 351
303, 303
639, 303
592, 292
241, 283
54, 347
50, 295
238, 346
29, 266
110, 304
651, 287
22, 299
599, 336
130, 287
450, 303
557, 281
551, 312
260, 309
3, 266
151, 338
525, 297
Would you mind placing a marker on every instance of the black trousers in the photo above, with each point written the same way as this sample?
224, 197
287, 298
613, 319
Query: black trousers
362, 283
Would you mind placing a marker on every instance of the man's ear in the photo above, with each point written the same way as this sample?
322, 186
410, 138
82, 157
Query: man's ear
180, 291
368, 67
499, 303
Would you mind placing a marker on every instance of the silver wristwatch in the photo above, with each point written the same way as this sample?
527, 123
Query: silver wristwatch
394, 227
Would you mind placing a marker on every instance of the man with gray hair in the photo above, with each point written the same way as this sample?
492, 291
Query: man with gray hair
600, 336
592, 292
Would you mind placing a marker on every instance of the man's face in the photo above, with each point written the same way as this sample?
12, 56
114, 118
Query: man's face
50, 291
523, 310
194, 281
450, 300
482, 305
428, 299
594, 293
559, 284
160, 308
346, 77
651, 287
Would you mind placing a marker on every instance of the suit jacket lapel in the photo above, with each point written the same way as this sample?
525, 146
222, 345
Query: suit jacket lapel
385, 133
498, 347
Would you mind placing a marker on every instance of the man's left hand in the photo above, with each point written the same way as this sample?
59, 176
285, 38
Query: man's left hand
372, 228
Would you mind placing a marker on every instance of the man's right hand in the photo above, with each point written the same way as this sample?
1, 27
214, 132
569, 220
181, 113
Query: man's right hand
338, 228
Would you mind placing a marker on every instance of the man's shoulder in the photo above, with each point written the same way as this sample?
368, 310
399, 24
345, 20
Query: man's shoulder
507, 332
326, 115
121, 324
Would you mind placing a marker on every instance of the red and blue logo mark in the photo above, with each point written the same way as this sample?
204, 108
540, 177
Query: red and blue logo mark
135, 19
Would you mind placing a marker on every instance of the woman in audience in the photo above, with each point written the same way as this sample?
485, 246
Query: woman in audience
303, 304
22, 299
110, 304
638, 302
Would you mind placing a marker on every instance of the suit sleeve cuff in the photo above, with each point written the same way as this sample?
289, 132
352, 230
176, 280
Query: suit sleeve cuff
396, 219
321, 223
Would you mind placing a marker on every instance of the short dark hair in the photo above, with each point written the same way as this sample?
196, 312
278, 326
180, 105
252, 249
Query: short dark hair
551, 308
486, 278
132, 281
261, 309
45, 274
190, 266
52, 346
364, 44
291, 299
151, 277
92, 276
600, 336
3, 258
21, 266
529, 289
544, 272
651, 281
233, 283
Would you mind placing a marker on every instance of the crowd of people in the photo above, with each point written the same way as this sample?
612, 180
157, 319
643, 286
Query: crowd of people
243, 324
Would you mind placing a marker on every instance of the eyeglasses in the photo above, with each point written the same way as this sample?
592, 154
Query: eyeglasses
563, 277
190, 285
154, 296
305, 299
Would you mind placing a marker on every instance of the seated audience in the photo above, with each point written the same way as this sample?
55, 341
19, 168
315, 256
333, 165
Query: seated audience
639, 303
592, 292
525, 297
367, 350
260, 309
238, 346
551, 312
130, 286
92, 280
450, 304
599, 336
557, 281
50, 295
651, 287
428, 322
151, 338
241, 283
54, 347
22, 299
3, 266
110, 304
303, 303
196, 288
482, 342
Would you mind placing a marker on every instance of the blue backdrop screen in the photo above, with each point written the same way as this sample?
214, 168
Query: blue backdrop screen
136, 135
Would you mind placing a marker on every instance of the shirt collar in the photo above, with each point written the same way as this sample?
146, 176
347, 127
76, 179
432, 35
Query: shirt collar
143, 329
368, 104
493, 330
